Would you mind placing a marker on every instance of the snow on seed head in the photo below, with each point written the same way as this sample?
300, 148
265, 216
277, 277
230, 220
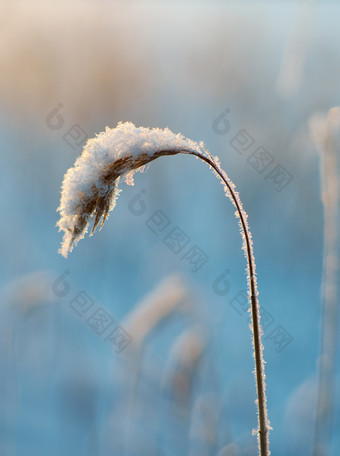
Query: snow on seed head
89, 189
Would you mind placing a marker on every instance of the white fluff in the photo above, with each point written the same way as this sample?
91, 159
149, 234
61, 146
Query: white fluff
124, 140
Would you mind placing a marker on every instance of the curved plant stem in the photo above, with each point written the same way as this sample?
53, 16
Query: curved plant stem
80, 203
263, 423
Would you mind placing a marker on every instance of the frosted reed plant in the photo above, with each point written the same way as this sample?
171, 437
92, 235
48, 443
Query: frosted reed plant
90, 190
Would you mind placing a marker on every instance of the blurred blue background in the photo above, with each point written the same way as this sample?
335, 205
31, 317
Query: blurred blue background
215, 71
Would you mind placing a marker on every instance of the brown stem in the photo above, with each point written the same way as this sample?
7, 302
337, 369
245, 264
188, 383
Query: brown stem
263, 430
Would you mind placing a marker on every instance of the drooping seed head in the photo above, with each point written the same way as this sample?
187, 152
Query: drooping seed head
89, 189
